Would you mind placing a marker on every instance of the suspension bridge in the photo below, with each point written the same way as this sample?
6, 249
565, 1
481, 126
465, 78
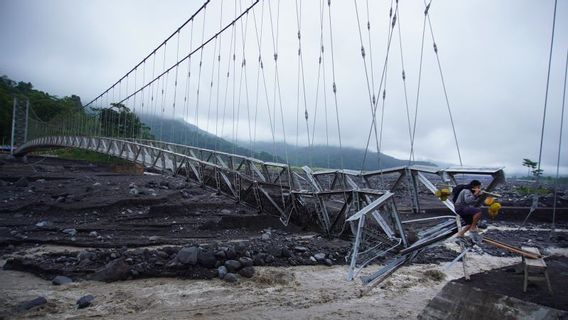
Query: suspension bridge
229, 71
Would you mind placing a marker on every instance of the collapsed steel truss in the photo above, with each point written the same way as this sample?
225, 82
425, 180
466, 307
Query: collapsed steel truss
362, 201
332, 195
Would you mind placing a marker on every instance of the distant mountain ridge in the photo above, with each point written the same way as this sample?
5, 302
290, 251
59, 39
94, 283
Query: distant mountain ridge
182, 132
179, 131
331, 157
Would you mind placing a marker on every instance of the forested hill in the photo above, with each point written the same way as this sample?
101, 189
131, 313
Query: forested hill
44, 105
179, 131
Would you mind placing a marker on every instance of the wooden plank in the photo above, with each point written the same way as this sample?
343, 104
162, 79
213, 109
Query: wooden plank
511, 248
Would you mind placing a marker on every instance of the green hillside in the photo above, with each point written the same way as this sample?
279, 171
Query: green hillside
44, 105
179, 131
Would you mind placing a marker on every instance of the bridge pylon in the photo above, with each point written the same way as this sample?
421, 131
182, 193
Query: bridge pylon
20, 113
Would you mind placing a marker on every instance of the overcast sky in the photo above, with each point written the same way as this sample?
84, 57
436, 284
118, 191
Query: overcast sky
494, 57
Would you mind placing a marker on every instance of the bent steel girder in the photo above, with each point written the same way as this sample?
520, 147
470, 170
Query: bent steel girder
332, 196
378, 231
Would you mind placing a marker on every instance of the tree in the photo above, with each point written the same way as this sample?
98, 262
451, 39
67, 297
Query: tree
44, 105
119, 121
532, 168
531, 165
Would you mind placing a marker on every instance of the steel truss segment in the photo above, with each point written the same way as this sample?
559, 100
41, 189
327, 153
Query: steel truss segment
138, 152
195, 171
383, 171
382, 223
343, 211
220, 160
323, 214
255, 169
274, 204
285, 216
390, 268
372, 206
336, 171
228, 184
351, 183
257, 196
241, 165
180, 165
313, 182
355, 251
374, 236
448, 203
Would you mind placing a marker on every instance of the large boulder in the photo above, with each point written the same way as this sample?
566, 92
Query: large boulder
246, 261
247, 272
39, 301
115, 270
85, 301
206, 259
231, 277
60, 280
188, 255
230, 253
232, 265
222, 272
320, 257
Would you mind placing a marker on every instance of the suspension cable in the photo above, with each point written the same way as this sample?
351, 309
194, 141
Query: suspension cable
444, 85
559, 144
218, 81
392, 25
271, 120
213, 58
546, 93
197, 49
311, 144
228, 78
335, 85
537, 180
383, 77
244, 37
301, 65
259, 69
196, 143
322, 55
163, 91
369, 90
154, 51
411, 156
187, 85
173, 137
277, 92
142, 98
404, 81
243, 74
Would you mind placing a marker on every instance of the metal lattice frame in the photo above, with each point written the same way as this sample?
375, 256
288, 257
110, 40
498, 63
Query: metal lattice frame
378, 231
332, 195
